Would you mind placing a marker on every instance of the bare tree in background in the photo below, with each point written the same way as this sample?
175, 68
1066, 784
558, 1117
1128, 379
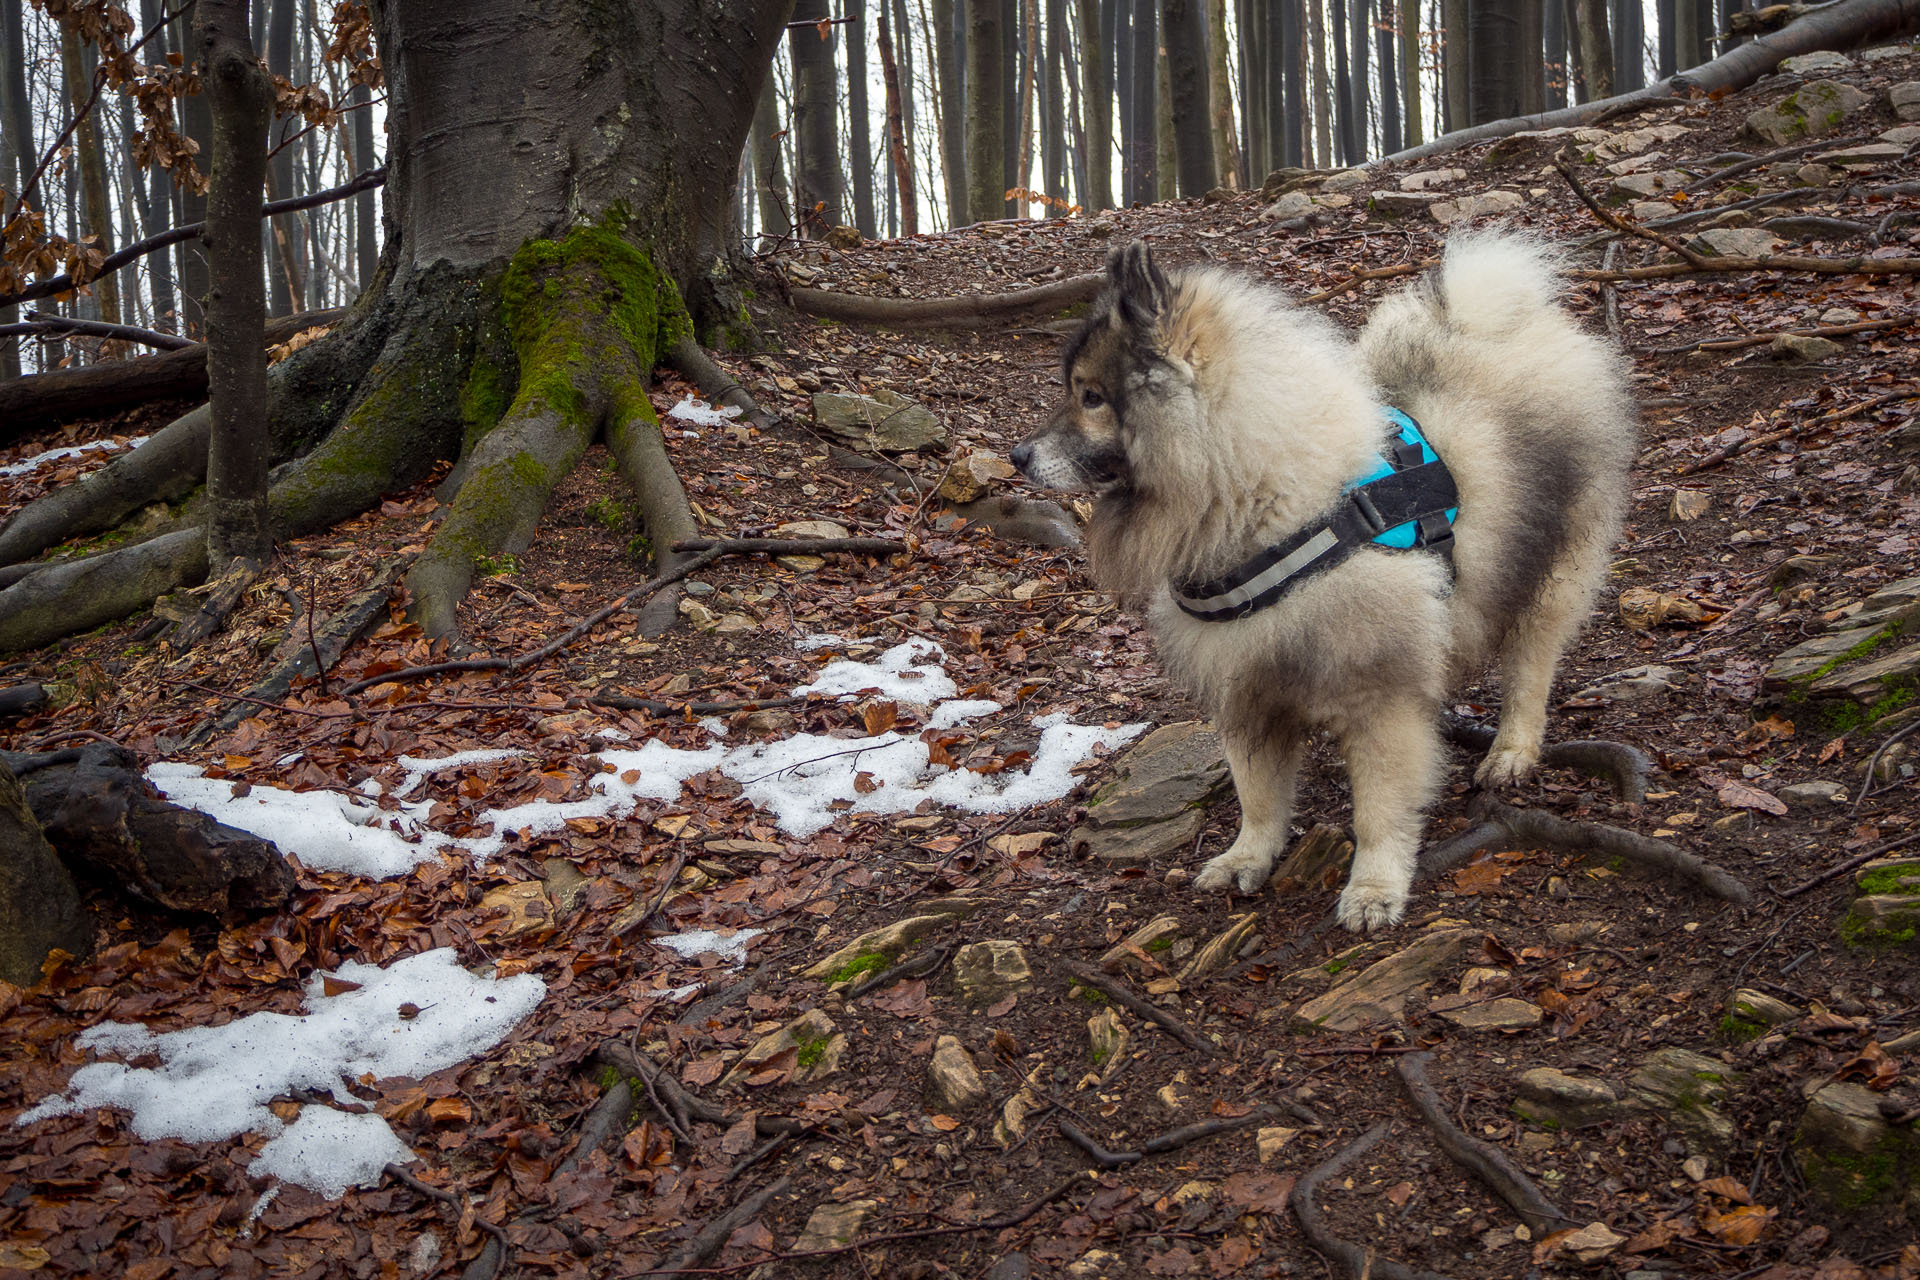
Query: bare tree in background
986, 112
816, 175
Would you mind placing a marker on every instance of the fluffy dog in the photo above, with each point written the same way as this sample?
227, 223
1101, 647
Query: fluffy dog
1214, 420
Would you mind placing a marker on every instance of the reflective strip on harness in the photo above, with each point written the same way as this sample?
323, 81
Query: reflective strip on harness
1406, 502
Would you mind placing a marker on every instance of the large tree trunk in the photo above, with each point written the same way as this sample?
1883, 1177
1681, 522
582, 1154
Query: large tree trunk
986, 112
1145, 60
950, 59
1226, 144
816, 169
1457, 63
1186, 42
16, 142
1097, 98
1410, 67
859, 131
1596, 50
1322, 94
1053, 126
769, 176
286, 247
898, 150
539, 248
95, 203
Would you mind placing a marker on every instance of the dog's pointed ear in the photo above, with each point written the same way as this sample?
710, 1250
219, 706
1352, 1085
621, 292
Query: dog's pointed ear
1141, 289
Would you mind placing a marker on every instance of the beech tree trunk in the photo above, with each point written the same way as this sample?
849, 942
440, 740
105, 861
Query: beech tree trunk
1146, 102
1226, 143
859, 132
1186, 43
1410, 68
95, 203
1596, 49
1097, 97
769, 175
897, 147
816, 151
16, 143
986, 112
950, 57
544, 250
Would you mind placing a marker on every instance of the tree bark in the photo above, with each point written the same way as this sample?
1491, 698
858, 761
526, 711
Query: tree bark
16, 146
1226, 143
1286, 100
1457, 62
286, 252
1629, 41
196, 122
241, 98
95, 201
1193, 138
816, 176
1410, 69
1053, 116
1121, 34
1164, 163
859, 126
1146, 102
950, 60
1322, 93
39, 902
1554, 58
1596, 49
1346, 129
986, 112
366, 210
897, 132
1357, 84
769, 177
1097, 98
1501, 65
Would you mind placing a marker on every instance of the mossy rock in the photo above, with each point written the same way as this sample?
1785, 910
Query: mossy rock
1881, 921
1852, 1156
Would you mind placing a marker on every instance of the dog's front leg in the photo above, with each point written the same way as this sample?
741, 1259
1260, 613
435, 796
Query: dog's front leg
1264, 770
1393, 759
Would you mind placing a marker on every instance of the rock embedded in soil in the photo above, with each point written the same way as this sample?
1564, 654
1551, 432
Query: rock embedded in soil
1794, 348
1904, 98
1816, 63
1813, 110
1219, 952
1879, 921
953, 1084
1107, 1041
1029, 1098
1688, 504
1158, 800
831, 1226
1850, 1154
1689, 1091
1318, 860
1758, 1009
1294, 204
1553, 1098
1269, 1142
1503, 1014
1487, 203
1736, 242
1429, 178
818, 1046
877, 948
1153, 938
1817, 794
1635, 684
1379, 993
971, 478
987, 972
884, 422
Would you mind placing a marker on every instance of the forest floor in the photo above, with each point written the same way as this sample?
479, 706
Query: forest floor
1777, 491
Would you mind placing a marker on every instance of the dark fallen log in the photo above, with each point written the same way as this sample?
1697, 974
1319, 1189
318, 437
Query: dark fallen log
967, 311
1850, 24
19, 699
44, 400
101, 815
39, 904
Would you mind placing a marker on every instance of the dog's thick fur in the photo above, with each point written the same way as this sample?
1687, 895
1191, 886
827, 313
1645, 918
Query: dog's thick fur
1214, 418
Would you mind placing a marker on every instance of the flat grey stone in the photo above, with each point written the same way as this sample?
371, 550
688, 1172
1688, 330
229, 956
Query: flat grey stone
1818, 793
1688, 1090
1554, 1098
1867, 682
1645, 186
1904, 98
1809, 656
1294, 204
833, 1225
985, 972
1635, 684
1159, 799
1448, 212
1817, 63
1813, 110
1406, 201
1848, 1152
1429, 178
884, 422
1796, 348
1736, 242
953, 1083
1748, 1005
1505, 1013
1902, 135
1866, 153
1882, 920
1379, 993
1889, 875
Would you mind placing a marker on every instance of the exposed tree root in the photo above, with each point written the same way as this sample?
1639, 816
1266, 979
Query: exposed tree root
973, 311
712, 1236
219, 599
1354, 1262
1484, 1160
1531, 828
684, 710
795, 546
1116, 991
497, 1250
1172, 1140
82, 594
1624, 766
1847, 25
677, 1105
692, 360
1838, 869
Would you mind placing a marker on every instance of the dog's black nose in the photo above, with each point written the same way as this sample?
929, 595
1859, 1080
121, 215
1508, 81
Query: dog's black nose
1022, 454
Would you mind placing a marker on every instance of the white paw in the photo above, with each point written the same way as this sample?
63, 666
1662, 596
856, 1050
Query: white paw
1364, 906
1506, 765
1238, 868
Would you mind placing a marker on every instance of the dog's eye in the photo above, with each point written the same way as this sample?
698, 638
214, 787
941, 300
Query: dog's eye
1091, 399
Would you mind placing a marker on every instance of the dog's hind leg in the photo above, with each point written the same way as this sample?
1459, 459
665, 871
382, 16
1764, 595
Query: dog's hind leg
1393, 758
1528, 658
1264, 771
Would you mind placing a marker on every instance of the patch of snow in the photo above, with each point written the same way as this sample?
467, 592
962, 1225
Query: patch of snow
714, 725
895, 675
819, 640
215, 1082
419, 768
702, 414
39, 460
731, 948
950, 714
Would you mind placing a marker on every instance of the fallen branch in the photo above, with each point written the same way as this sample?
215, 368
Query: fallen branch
1762, 339
1172, 1140
691, 359
707, 1243
42, 323
659, 898
1535, 828
1001, 1223
971, 311
1693, 189
1739, 447
1112, 988
674, 1100
498, 1246
1838, 869
545, 651
795, 546
1363, 274
1624, 766
1484, 1160
1354, 1262
1847, 25
656, 707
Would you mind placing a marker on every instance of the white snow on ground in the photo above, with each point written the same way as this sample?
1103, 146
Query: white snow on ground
796, 780
215, 1082
39, 460
731, 948
701, 414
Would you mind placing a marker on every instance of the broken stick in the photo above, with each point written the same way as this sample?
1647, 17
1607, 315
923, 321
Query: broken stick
1355, 1262
1486, 1161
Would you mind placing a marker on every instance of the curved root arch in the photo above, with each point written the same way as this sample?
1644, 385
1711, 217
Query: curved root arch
513, 372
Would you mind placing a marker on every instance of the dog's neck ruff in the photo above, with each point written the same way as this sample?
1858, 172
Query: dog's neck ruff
1407, 501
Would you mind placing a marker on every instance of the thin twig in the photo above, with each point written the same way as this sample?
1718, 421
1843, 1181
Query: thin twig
1873, 765
1739, 447
502, 1249
639, 922
1116, 991
1842, 868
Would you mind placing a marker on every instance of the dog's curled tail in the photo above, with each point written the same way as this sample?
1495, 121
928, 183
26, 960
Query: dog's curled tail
1496, 284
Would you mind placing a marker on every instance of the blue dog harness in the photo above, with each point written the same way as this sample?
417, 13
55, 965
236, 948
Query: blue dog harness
1406, 501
